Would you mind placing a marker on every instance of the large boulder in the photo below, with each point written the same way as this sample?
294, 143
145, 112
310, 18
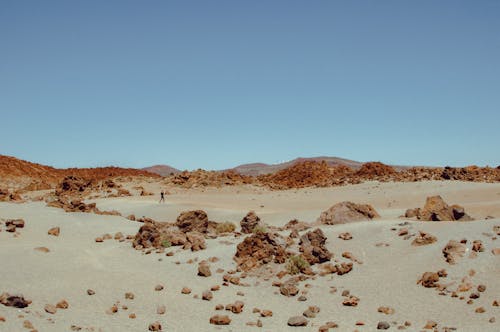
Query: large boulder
189, 221
436, 209
346, 212
258, 249
249, 222
312, 246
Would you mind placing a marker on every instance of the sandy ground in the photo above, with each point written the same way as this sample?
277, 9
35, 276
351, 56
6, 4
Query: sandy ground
387, 276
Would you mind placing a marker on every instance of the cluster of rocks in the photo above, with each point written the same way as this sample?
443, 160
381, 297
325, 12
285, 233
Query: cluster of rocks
11, 225
16, 301
189, 231
436, 209
7, 196
202, 178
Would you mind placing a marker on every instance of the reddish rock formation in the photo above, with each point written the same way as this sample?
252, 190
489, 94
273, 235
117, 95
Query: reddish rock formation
249, 222
312, 246
17, 301
189, 221
346, 212
424, 239
435, 209
453, 251
258, 249
376, 171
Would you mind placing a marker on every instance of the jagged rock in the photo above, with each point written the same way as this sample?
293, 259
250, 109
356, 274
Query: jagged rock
312, 246
204, 269
295, 225
54, 231
346, 212
297, 321
17, 301
156, 326
424, 239
195, 241
289, 288
189, 221
258, 249
453, 250
220, 320
249, 222
429, 279
435, 209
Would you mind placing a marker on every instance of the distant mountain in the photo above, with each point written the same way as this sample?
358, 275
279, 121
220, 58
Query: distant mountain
255, 169
163, 170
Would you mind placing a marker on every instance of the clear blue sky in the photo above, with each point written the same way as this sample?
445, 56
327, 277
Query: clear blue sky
213, 84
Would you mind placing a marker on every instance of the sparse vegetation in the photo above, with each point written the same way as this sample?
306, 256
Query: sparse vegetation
225, 227
166, 244
259, 229
296, 264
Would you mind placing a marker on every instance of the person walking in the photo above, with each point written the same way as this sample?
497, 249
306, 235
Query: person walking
162, 197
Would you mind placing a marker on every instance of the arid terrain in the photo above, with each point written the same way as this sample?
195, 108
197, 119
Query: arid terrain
313, 246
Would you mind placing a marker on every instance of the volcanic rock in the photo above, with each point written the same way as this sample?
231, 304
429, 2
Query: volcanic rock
17, 301
220, 320
435, 209
204, 269
453, 250
258, 249
423, 239
249, 222
54, 231
312, 246
297, 321
346, 212
189, 221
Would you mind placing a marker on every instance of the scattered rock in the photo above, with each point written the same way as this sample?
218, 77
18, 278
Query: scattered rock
186, 290
54, 231
159, 288
207, 295
236, 307
424, 239
453, 250
383, 326
90, 292
386, 310
435, 209
345, 236
258, 249
189, 221
429, 279
63, 304
42, 249
17, 301
204, 269
129, 296
49, 308
220, 320
346, 212
161, 309
297, 321
289, 288
156, 326
351, 301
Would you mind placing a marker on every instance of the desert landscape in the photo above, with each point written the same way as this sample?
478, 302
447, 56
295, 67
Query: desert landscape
318, 244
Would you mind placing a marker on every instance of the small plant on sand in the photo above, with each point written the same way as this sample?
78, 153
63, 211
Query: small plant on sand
259, 229
166, 243
225, 227
296, 264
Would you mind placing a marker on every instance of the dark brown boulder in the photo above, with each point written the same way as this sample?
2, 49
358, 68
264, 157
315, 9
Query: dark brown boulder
258, 249
249, 222
189, 221
312, 246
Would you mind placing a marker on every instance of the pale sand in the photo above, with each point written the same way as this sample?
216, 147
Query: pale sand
387, 276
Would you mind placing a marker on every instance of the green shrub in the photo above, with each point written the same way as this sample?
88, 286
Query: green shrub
260, 229
296, 264
225, 227
166, 243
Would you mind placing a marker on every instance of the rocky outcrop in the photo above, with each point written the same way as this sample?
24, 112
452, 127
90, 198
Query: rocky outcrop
259, 249
346, 212
189, 221
312, 247
249, 222
436, 209
453, 251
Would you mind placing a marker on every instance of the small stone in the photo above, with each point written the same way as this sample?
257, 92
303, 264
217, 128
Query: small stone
297, 321
474, 295
112, 310
360, 323
386, 310
99, 239
346, 292
215, 288
28, 325
90, 292
236, 307
352, 301
204, 269
54, 231
161, 309
430, 325
496, 303
266, 313
302, 298
383, 326
492, 320
42, 249
327, 326
481, 288
219, 307
132, 316
2, 319
159, 288
480, 310
129, 296
63, 304
207, 295
309, 314
220, 320
186, 290
49, 308
156, 326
